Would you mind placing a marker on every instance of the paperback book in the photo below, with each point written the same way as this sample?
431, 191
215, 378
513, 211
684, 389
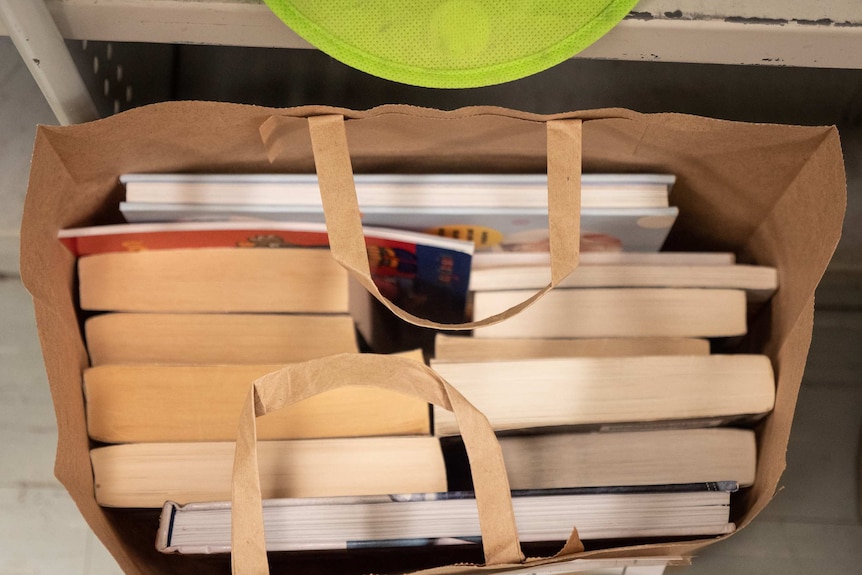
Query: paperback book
451, 518
501, 212
600, 458
502, 229
420, 272
759, 282
600, 393
398, 190
145, 475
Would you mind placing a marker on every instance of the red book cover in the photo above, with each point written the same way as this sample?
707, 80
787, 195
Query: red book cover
406, 266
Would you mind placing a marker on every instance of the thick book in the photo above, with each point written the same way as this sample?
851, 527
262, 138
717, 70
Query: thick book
213, 280
216, 338
759, 282
614, 312
451, 518
148, 474
596, 459
398, 190
409, 267
152, 403
465, 348
611, 392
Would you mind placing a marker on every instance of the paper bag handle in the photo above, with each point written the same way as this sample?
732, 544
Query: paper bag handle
344, 226
296, 382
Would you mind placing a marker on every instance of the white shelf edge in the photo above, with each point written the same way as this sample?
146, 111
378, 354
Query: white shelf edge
717, 41
686, 38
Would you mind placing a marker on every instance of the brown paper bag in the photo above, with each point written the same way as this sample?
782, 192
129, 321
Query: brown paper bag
774, 195
344, 225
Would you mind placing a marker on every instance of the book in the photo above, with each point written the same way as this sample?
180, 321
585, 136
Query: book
152, 403
605, 392
461, 348
420, 272
205, 280
148, 474
499, 259
192, 338
93, 240
612, 312
589, 566
759, 282
419, 520
596, 459
397, 190
501, 229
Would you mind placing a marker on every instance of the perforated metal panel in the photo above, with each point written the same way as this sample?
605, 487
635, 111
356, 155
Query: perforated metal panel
122, 75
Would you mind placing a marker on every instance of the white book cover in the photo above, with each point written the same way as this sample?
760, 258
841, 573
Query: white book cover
398, 190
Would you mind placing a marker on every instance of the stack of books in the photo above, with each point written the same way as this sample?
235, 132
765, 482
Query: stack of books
612, 414
609, 381
178, 325
503, 216
662, 294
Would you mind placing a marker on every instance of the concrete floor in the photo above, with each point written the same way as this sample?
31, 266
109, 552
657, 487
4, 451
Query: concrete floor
814, 523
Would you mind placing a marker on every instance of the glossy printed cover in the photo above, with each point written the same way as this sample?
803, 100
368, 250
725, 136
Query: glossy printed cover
491, 229
416, 271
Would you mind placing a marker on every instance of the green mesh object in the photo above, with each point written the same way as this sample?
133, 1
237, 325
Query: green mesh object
451, 43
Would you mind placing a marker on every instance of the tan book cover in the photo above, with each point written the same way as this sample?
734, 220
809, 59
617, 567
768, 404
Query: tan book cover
759, 282
304, 280
599, 392
460, 348
595, 459
148, 474
120, 338
610, 312
498, 259
139, 403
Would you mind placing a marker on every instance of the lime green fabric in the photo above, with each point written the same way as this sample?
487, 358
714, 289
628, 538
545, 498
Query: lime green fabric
451, 43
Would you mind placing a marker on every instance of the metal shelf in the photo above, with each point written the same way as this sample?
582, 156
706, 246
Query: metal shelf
824, 34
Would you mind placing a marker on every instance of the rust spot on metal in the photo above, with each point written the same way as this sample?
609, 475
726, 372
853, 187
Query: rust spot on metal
821, 22
639, 16
741, 20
